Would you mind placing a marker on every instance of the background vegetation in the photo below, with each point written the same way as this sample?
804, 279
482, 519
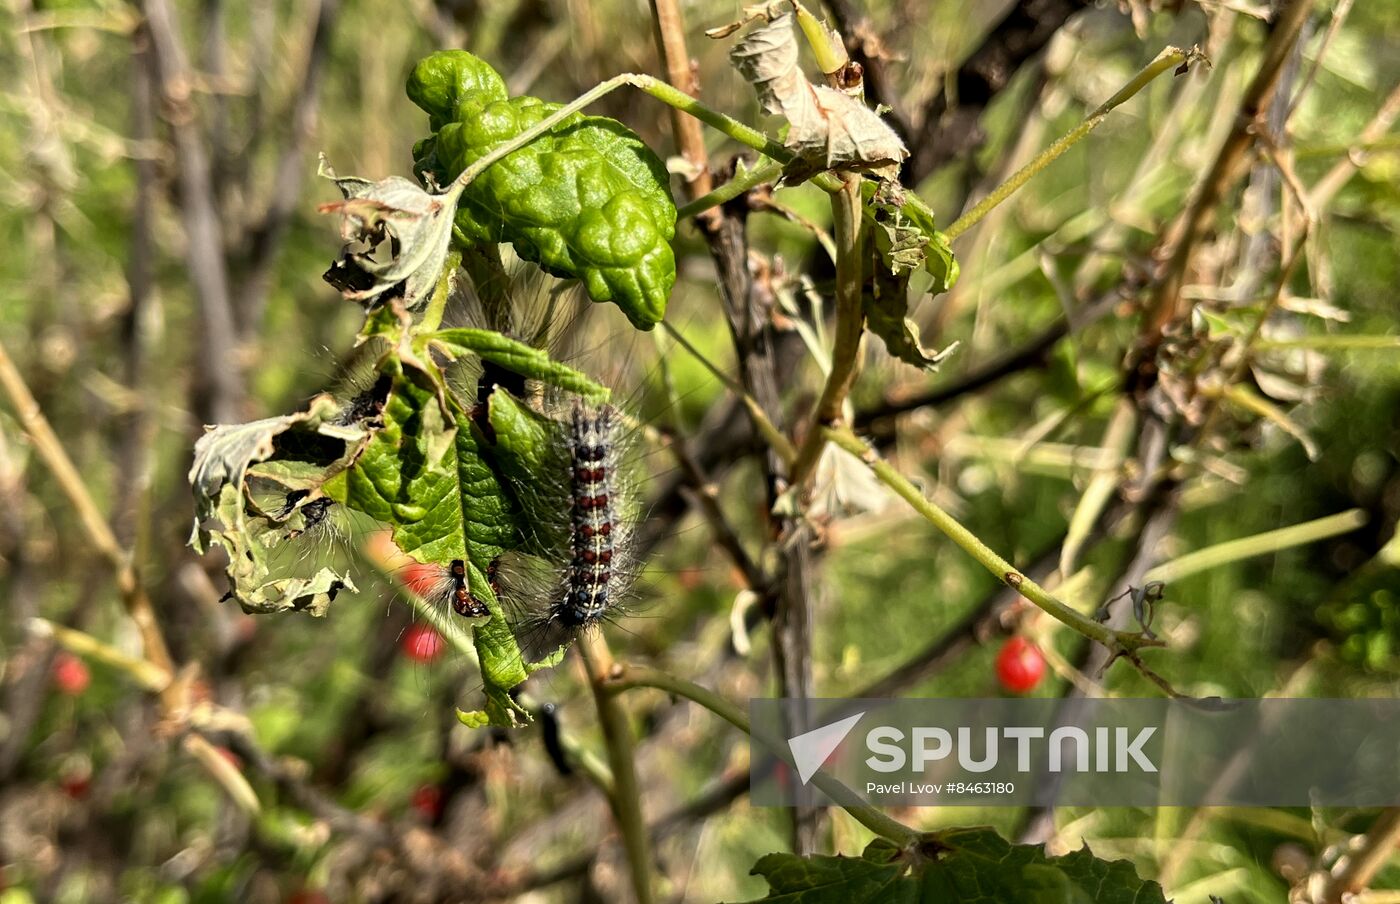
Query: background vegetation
163, 259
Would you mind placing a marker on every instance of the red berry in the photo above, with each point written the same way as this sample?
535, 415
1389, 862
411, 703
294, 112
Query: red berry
427, 800
75, 784
1020, 665
309, 896
70, 674
421, 579
233, 759
422, 644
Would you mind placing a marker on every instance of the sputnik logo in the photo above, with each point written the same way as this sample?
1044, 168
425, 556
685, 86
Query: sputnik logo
812, 749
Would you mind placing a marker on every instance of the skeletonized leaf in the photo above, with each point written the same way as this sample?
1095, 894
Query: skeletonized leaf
222, 462
828, 129
394, 217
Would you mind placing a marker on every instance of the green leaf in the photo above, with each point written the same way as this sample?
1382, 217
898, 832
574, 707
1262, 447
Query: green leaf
588, 200
883, 200
519, 358
425, 474
959, 866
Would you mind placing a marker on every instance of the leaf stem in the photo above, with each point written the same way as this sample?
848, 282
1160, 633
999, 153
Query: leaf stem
1170, 58
626, 797
1115, 641
744, 182
672, 97
432, 314
626, 677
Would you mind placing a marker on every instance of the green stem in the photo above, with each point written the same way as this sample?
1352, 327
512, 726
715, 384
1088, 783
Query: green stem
1257, 545
746, 181
1168, 59
630, 676
658, 89
432, 314
850, 325
626, 798
1116, 641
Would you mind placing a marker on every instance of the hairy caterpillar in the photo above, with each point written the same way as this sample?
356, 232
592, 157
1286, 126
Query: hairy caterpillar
575, 495
444, 586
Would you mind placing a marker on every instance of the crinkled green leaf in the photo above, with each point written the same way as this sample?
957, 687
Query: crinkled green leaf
875, 877
224, 515
424, 475
959, 866
414, 226
588, 200
519, 358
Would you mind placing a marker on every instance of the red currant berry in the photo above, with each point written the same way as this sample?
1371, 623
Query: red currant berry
1020, 665
427, 800
70, 674
422, 644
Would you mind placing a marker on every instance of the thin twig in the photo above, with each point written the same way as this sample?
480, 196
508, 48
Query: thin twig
1163, 308
1169, 59
626, 797
204, 241
1114, 641
850, 327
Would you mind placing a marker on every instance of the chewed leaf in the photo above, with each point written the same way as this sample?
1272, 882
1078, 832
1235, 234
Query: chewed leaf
519, 358
424, 475
967, 866
225, 457
394, 217
911, 233
829, 129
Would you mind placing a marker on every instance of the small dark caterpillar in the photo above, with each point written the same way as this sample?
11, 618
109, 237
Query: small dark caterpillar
448, 585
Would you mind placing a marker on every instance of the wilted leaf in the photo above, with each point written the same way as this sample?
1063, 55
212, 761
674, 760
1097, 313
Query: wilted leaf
396, 218
828, 129
222, 462
900, 248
